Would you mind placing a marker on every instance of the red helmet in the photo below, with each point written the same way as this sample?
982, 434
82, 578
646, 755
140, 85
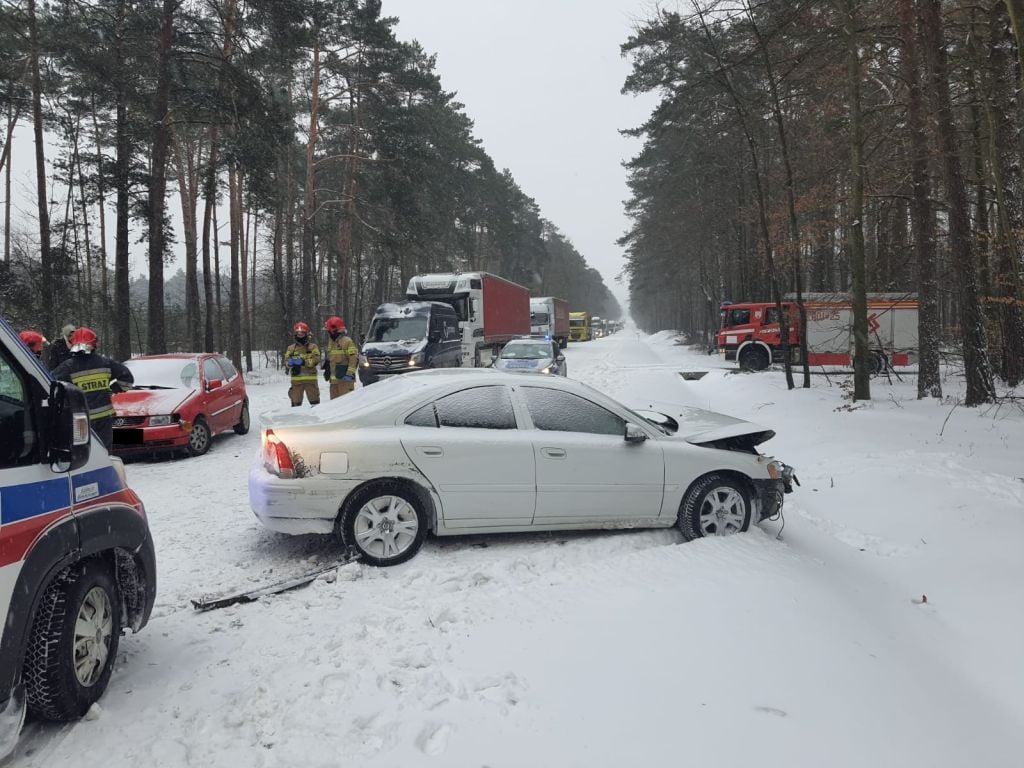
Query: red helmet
84, 340
335, 324
34, 340
300, 328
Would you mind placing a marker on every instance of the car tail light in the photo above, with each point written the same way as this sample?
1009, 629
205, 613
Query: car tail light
276, 458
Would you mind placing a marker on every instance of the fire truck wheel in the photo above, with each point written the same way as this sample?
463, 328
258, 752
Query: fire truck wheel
878, 363
754, 358
716, 505
73, 644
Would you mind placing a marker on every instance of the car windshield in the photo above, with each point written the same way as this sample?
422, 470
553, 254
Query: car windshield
578, 322
384, 329
164, 374
539, 318
538, 350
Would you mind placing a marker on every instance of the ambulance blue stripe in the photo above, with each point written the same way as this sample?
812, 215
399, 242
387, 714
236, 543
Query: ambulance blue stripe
20, 502
105, 477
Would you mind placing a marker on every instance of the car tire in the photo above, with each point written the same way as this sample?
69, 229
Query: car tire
754, 358
199, 438
716, 505
369, 520
79, 613
242, 427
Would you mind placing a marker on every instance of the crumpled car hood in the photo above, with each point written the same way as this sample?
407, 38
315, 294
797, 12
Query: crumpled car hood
150, 402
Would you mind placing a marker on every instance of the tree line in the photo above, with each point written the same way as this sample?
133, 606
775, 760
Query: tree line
846, 145
340, 163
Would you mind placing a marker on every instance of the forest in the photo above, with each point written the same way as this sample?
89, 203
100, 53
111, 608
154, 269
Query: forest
317, 160
833, 146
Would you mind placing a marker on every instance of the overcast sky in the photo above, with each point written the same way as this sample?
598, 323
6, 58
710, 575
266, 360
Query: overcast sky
541, 81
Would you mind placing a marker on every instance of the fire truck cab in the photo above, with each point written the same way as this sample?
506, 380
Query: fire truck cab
751, 333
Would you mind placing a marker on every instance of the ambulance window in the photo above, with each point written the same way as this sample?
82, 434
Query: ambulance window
17, 435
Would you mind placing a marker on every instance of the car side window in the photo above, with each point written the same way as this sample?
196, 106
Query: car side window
212, 371
480, 408
423, 417
17, 432
229, 370
739, 317
556, 411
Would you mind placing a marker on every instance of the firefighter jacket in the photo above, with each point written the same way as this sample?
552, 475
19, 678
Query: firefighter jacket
93, 373
302, 360
342, 357
59, 352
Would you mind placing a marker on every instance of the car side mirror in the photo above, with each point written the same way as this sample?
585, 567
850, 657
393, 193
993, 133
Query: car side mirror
634, 434
433, 337
213, 384
70, 431
560, 358
362, 339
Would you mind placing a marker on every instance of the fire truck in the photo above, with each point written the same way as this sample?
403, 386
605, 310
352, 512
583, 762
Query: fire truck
750, 333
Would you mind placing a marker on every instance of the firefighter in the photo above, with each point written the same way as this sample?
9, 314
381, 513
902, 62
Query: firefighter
60, 350
34, 340
302, 359
97, 376
341, 358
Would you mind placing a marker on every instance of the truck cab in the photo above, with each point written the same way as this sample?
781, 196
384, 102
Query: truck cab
410, 336
579, 326
76, 556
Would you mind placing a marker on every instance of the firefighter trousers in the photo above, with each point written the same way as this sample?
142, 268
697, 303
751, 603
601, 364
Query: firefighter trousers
104, 429
339, 388
310, 388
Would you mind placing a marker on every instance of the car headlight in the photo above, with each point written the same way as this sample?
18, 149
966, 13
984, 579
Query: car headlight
546, 370
161, 421
416, 358
363, 361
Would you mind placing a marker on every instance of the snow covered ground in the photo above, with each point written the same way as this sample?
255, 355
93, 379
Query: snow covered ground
606, 648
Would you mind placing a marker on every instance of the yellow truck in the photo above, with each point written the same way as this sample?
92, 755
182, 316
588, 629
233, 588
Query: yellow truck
579, 326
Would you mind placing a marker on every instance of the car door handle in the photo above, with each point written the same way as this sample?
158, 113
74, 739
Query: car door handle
553, 453
430, 450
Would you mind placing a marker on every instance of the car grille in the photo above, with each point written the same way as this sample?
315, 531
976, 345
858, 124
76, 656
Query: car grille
387, 362
129, 421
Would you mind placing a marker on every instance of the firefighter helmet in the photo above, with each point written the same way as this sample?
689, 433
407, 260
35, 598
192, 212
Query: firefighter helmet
300, 329
84, 340
335, 324
34, 340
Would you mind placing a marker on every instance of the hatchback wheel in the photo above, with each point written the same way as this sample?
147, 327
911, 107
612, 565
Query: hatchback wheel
73, 642
199, 438
385, 523
242, 427
716, 506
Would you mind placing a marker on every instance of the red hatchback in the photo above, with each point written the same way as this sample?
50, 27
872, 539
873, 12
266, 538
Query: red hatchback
179, 402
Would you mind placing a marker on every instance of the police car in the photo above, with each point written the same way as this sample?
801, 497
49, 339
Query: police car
76, 556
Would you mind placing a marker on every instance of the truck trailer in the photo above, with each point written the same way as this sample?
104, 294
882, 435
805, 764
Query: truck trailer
750, 332
491, 310
549, 316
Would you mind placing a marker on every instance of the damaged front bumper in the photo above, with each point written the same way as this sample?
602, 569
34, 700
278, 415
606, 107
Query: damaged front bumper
770, 494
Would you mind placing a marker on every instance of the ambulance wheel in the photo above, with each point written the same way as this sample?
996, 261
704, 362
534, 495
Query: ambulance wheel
242, 427
199, 438
73, 642
754, 358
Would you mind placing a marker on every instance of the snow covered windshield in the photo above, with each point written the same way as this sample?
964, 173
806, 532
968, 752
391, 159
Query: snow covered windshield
540, 350
164, 374
397, 329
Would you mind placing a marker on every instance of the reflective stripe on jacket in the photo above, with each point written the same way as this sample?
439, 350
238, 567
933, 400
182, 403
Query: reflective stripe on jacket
342, 357
92, 373
310, 354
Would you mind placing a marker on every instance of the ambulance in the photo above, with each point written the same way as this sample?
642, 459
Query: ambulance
76, 557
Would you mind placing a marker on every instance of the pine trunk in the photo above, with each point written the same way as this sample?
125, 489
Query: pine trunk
980, 385
48, 318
